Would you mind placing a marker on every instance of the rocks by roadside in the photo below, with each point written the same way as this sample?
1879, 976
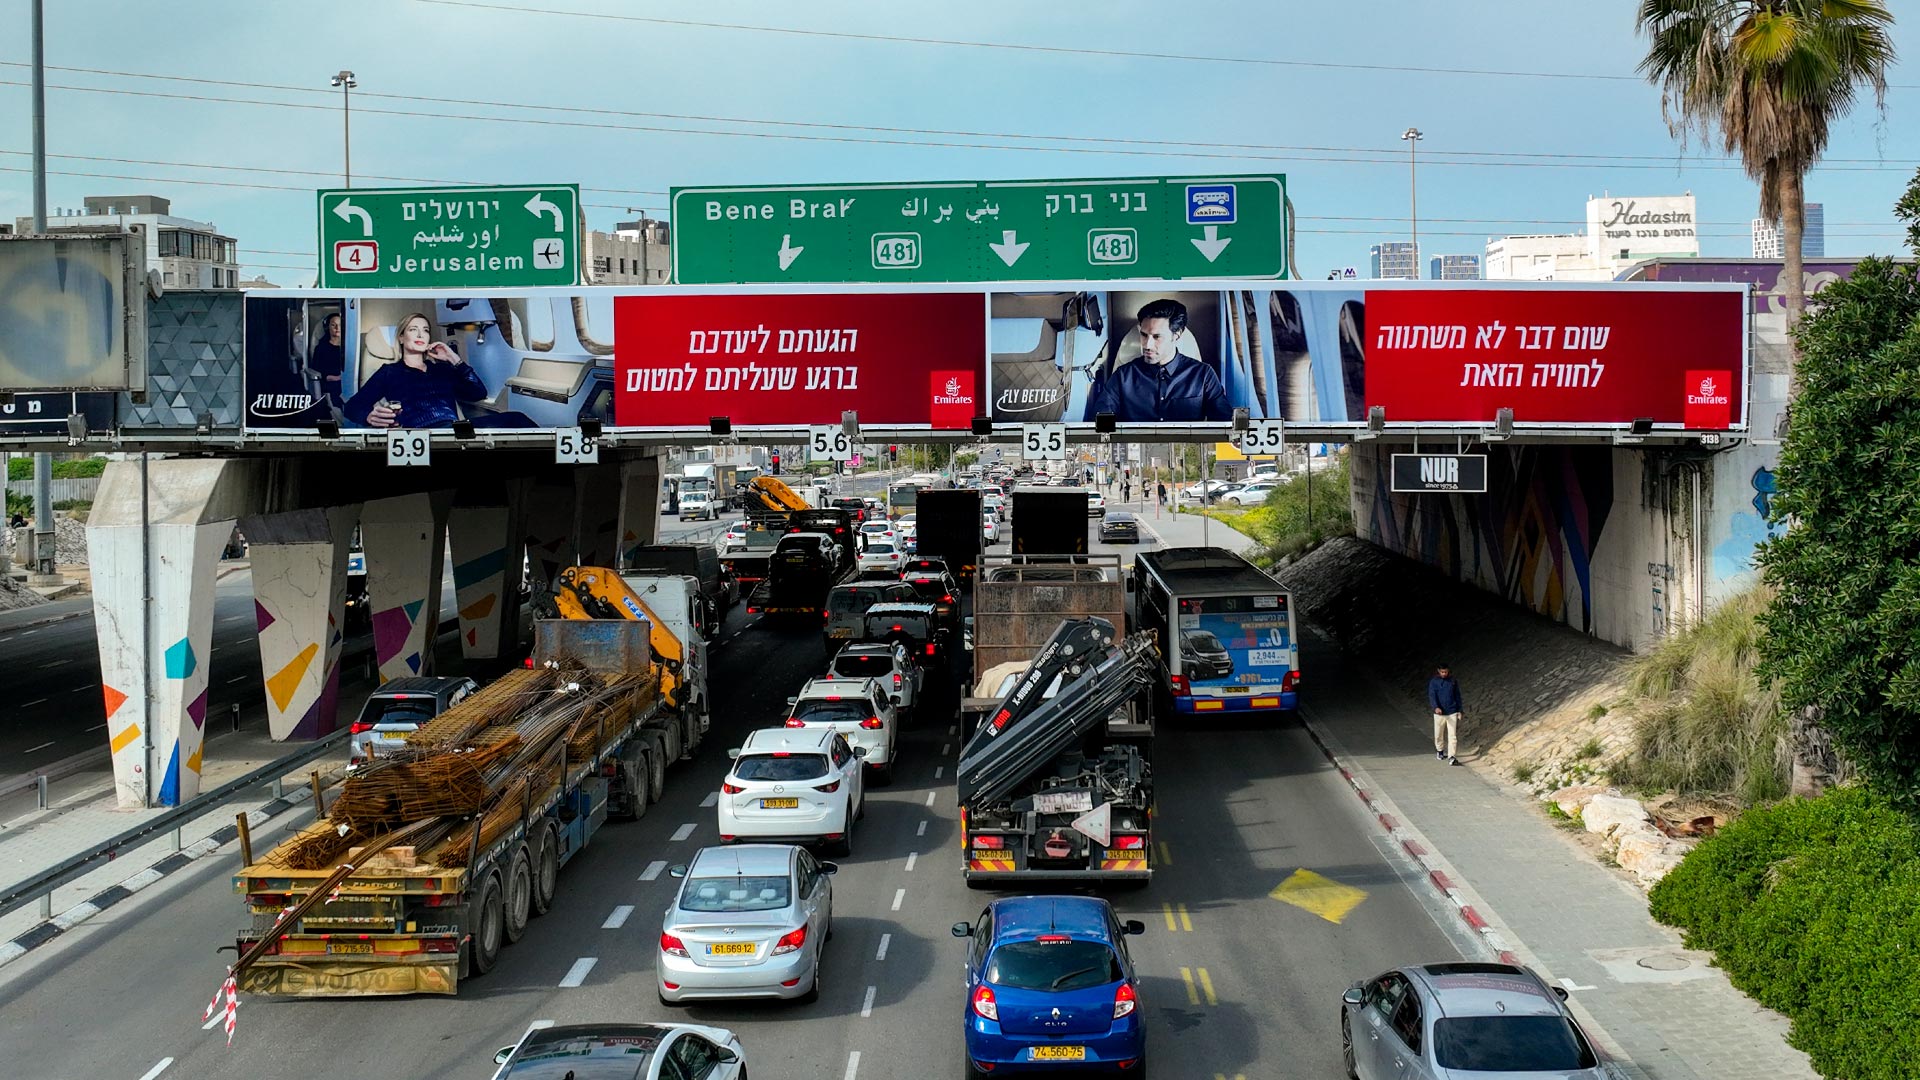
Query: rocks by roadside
1626, 831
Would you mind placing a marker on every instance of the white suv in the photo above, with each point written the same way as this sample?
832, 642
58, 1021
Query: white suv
889, 663
862, 710
793, 784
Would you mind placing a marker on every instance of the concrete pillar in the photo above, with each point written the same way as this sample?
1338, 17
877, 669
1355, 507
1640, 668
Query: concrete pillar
549, 527
639, 504
299, 603
597, 492
405, 538
154, 557
487, 545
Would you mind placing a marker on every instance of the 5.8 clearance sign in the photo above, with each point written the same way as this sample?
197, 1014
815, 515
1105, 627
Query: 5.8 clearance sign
1557, 357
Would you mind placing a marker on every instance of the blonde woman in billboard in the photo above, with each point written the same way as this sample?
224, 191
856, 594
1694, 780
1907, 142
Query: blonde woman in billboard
424, 387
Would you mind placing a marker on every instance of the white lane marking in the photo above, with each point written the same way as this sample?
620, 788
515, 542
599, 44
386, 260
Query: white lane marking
577, 974
1574, 986
653, 869
899, 897
27, 633
922, 830
98, 727
939, 772
235, 679
946, 747
219, 1017
712, 798
164, 1062
929, 798
853, 1065
31, 704
911, 857
619, 917
866, 1007
885, 940
683, 831
953, 729
9, 637
31, 749
58, 663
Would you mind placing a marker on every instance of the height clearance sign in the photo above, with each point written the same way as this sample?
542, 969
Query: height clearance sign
1020, 230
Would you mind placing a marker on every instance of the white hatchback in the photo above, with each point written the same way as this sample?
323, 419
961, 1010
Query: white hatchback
793, 784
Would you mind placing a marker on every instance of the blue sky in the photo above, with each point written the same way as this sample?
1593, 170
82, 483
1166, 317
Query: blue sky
1334, 131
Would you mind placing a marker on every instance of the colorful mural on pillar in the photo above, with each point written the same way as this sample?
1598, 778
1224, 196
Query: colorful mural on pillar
486, 575
405, 539
1530, 538
299, 598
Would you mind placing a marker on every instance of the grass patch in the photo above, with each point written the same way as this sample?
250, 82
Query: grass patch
1523, 772
1589, 749
1283, 525
1706, 724
1597, 712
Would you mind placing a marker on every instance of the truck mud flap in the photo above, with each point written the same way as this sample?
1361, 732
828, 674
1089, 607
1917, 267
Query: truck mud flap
350, 978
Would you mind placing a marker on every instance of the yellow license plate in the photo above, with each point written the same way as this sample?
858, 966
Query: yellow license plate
1237, 689
731, 948
779, 804
343, 948
1059, 1053
993, 854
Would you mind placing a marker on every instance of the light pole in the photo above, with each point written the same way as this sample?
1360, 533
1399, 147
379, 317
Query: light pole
1413, 137
346, 83
644, 278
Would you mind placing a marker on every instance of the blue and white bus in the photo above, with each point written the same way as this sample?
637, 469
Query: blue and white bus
1225, 628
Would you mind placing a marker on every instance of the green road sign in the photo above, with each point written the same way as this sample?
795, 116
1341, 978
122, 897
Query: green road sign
449, 238
1020, 230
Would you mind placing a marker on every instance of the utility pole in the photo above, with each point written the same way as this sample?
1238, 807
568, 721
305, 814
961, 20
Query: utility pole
1413, 137
645, 277
45, 541
346, 82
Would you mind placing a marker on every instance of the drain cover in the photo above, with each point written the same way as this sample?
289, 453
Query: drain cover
1665, 962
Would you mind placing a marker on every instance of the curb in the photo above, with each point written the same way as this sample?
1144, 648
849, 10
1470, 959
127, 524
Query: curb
1436, 874
25, 942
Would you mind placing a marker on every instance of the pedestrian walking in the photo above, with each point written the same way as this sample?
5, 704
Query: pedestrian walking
1126, 490
1443, 694
1163, 493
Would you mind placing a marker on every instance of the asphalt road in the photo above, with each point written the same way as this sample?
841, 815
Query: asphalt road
1236, 983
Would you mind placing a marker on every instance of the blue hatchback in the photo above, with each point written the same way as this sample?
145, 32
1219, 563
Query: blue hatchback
1050, 985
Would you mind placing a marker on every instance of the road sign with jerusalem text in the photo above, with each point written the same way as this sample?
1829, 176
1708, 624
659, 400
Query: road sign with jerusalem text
450, 238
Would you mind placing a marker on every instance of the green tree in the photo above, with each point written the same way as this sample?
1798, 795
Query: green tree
1843, 633
1769, 77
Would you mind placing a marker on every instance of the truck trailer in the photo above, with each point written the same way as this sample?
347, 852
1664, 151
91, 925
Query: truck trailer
949, 527
1049, 521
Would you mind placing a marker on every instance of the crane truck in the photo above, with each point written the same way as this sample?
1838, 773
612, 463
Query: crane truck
432, 860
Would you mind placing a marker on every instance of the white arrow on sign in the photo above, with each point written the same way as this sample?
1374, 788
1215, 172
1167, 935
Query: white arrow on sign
1007, 249
1097, 823
346, 211
788, 252
1212, 246
539, 205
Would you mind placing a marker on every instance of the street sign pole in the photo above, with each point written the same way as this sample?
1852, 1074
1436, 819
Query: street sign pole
450, 238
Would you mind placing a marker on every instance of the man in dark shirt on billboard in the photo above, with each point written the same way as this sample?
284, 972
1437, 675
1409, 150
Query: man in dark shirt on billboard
1163, 384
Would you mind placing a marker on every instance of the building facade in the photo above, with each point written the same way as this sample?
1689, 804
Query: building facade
1454, 268
1395, 259
1768, 238
1621, 232
187, 254
634, 253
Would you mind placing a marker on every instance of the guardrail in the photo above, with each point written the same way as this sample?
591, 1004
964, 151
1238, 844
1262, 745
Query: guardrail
41, 886
53, 770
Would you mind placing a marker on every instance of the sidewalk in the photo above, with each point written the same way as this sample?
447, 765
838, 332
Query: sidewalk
1657, 1005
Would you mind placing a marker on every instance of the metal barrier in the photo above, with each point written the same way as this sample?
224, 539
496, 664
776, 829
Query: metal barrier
42, 885
55, 770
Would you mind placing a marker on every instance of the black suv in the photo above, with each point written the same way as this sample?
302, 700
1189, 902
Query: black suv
938, 588
917, 626
847, 607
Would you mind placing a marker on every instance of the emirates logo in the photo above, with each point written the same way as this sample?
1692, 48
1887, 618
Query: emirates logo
953, 387
1706, 388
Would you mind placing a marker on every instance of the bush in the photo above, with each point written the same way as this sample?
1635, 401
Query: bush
20, 467
1809, 906
1282, 524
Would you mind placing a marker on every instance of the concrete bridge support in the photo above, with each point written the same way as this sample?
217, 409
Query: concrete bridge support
549, 527
299, 561
487, 531
640, 504
154, 549
405, 539
597, 496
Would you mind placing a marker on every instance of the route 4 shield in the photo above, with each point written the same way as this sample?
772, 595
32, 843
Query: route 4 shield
1096, 823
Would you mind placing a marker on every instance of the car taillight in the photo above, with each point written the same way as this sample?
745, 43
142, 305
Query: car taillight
1130, 843
929, 648
359, 727
896, 680
983, 1003
1180, 686
1123, 1000
1053, 939
990, 841
790, 942
795, 722
731, 789
1290, 680
947, 599
871, 723
826, 616
672, 946
830, 788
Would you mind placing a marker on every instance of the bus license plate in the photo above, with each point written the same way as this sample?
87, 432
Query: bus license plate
1059, 1053
779, 804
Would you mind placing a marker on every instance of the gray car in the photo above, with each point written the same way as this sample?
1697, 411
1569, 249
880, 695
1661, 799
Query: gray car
1456, 1020
749, 921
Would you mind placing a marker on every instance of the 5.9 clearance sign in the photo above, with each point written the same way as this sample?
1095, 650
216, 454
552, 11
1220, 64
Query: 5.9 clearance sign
1598, 357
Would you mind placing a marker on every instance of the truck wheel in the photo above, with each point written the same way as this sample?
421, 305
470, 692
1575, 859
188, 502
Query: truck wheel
546, 869
657, 771
488, 926
518, 901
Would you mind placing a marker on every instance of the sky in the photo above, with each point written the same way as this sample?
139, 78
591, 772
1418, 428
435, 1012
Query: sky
224, 107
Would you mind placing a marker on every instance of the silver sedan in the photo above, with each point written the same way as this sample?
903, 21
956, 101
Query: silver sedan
1440, 1021
749, 921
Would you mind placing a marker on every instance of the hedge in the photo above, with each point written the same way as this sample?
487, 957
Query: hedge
20, 467
1813, 907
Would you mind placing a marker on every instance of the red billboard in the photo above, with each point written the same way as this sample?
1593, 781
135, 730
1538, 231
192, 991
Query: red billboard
1567, 357
799, 358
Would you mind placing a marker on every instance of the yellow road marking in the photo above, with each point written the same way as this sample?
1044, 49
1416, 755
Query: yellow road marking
1166, 858
1193, 992
1167, 910
1177, 917
1223, 1076
1185, 922
1322, 896
1206, 984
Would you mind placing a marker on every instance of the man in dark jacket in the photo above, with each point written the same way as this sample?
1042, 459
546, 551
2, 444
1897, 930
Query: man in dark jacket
1164, 384
1444, 695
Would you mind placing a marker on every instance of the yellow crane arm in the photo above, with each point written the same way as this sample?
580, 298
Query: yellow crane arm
776, 495
596, 592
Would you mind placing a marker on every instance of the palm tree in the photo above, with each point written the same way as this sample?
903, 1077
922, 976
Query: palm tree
1769, 77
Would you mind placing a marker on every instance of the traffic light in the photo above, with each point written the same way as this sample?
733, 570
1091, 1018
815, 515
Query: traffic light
893, 453
774, 458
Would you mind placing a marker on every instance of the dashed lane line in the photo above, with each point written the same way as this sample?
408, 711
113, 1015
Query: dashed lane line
31, 704
577, 974
712, 798
653, 869
1166, 854
885, 940
619, 917
32, 749
899, 897
683, 831
912, 856
921, 831
853, 1065
164, 1062
235, 679
939, 771
945, 747
930, 798
866, 1007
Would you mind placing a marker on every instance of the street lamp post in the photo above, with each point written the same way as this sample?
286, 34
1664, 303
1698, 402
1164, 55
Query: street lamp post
1413, 137
645, 278
345, 81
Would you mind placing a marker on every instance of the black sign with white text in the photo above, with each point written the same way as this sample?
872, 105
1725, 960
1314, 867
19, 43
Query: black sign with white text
1440, 472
